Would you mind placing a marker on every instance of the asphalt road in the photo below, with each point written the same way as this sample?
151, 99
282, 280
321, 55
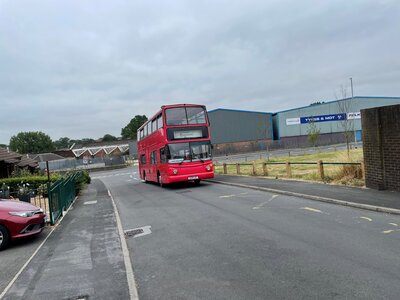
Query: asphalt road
219, 242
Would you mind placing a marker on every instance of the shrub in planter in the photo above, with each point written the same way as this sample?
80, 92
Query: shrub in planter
43, 191
24, 192
4, 191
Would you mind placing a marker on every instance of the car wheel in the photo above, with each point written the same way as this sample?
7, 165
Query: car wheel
4, 237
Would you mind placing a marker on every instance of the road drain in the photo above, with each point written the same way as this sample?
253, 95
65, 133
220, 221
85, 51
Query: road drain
84, 297
137, 232
133, 232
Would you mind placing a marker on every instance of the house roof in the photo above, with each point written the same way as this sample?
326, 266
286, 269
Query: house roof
96, 149
99, 144
9, 156
46, 157
27, 162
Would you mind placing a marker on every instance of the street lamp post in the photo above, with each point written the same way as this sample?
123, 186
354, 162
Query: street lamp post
351, 83
352, 96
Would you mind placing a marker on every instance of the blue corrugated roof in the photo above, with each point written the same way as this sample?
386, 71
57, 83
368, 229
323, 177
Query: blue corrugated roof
239, 110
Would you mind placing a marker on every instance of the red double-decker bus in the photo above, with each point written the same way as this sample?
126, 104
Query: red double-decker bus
174, 145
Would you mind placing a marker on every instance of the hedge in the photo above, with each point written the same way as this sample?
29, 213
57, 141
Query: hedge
34, 181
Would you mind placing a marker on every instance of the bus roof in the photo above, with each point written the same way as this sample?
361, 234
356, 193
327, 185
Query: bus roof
169, 106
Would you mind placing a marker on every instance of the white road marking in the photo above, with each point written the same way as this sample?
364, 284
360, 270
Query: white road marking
365, 218
90, 202
135, 178
266, 202
227, 196
388, 231
111, 175
393, 224
311, 209
133, 293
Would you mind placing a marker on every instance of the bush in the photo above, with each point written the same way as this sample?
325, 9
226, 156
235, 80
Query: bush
34, 182
82, 180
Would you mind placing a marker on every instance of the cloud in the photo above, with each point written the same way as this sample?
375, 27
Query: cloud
85, 68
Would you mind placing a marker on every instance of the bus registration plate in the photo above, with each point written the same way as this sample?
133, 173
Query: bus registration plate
193, 177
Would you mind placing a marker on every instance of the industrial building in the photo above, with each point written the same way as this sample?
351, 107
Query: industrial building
332, 118
239, 130
234, 131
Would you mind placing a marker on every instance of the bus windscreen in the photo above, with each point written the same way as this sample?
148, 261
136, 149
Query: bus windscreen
195, 151
185, 116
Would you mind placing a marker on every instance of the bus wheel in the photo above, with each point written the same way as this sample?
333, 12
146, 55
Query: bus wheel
144, 177
159, 179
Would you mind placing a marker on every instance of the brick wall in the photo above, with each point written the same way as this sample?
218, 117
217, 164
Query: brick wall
381, 146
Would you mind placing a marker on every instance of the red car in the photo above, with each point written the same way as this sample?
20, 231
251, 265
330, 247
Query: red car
19, 219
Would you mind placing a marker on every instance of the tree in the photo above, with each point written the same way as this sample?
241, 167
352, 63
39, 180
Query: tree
313, 132
130, 130
109, 138
31, 142
83, 142
62, 143
344, 107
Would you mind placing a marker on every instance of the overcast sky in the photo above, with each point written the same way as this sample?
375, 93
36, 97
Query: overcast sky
85, 68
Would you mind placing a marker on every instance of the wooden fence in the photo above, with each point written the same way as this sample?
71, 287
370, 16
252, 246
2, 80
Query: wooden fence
319, 165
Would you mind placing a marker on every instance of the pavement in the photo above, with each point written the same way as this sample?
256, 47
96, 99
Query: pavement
363, 198
81, 259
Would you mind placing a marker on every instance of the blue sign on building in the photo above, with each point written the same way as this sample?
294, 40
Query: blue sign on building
323, 118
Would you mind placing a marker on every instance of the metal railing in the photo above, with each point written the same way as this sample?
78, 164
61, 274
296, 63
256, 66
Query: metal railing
61, 194
54, 199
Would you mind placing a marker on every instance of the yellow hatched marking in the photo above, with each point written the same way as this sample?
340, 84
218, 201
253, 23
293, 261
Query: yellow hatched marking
311, 209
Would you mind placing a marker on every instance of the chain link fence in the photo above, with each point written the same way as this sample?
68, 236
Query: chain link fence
82, 164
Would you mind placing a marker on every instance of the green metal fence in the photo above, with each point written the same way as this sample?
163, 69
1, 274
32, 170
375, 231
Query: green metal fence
61, 194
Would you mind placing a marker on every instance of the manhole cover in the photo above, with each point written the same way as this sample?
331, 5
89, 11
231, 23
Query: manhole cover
133, 232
